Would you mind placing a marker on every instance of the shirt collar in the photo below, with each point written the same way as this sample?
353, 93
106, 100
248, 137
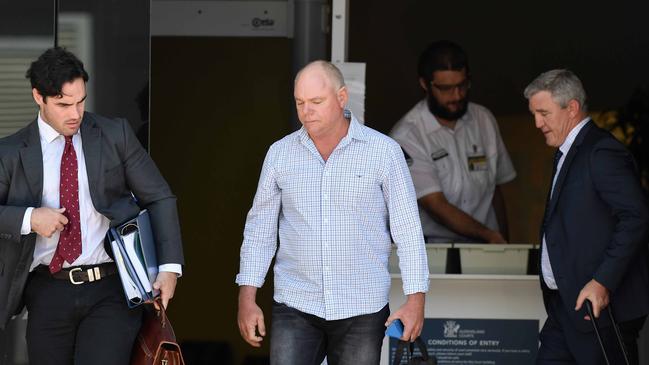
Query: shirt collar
430, 123
356, 130
47, 133
565, 147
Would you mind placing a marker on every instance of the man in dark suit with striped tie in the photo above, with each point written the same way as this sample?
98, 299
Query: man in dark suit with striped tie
594, 232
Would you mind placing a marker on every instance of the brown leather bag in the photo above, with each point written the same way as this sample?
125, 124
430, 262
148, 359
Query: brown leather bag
156, 343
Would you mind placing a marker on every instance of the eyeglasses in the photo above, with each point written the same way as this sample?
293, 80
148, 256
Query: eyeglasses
462, 87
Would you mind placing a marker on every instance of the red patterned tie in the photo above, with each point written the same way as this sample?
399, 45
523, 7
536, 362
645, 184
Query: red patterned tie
69, 247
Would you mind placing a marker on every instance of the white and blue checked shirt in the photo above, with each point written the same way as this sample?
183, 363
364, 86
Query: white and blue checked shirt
336, 221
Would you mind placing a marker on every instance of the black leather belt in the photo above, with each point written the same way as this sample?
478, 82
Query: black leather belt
81, 274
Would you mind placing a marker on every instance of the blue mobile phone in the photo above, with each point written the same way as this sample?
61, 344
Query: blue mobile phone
395, 329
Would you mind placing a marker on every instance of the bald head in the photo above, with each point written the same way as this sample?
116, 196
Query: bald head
327, 70
320, 99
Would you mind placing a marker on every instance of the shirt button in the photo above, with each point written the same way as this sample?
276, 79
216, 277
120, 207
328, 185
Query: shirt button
328, 292
325, 196
326, 221
326, 268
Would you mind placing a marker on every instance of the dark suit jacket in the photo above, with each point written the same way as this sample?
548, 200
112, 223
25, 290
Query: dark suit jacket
598, 227
116, 165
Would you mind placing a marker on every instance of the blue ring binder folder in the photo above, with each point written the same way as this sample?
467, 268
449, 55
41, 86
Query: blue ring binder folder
135, 258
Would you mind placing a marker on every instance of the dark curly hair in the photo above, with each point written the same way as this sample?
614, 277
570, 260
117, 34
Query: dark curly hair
52, 69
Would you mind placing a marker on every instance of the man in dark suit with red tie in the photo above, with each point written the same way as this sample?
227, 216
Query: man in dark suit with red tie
594, 233
64, 180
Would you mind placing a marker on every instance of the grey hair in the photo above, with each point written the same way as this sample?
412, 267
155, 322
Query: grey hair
563, 85
332, 73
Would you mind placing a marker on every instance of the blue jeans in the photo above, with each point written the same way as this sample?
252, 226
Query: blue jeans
298, 338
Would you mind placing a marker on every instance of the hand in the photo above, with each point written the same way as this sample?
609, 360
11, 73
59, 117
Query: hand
166, 283
250, 317
598, 296
47, 221
411, 315
495, 237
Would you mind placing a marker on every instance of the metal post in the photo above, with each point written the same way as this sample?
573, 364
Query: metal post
311, 26
339, 26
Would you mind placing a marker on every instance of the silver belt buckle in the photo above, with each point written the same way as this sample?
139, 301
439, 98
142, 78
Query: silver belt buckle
72, 277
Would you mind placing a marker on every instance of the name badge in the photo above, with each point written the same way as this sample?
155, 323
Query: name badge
478, 163
439, 154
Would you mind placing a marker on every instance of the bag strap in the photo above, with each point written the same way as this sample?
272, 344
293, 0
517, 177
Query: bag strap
160, 313
589, 308
398, 354
403, 345
422, 348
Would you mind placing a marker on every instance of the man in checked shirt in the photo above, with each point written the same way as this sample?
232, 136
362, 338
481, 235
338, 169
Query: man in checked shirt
337, 193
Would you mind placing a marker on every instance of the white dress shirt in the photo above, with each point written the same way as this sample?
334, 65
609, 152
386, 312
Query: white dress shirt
465, 164
93, 224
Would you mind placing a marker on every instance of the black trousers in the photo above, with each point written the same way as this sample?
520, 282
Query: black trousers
79, 324
561, 343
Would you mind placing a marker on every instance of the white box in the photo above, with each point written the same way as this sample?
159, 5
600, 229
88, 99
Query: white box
505, 259
436, 253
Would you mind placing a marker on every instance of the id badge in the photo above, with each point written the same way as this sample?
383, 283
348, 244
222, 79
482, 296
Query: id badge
478, 163
439, 154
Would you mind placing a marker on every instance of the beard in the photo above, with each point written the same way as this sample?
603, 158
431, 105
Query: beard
444, 112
